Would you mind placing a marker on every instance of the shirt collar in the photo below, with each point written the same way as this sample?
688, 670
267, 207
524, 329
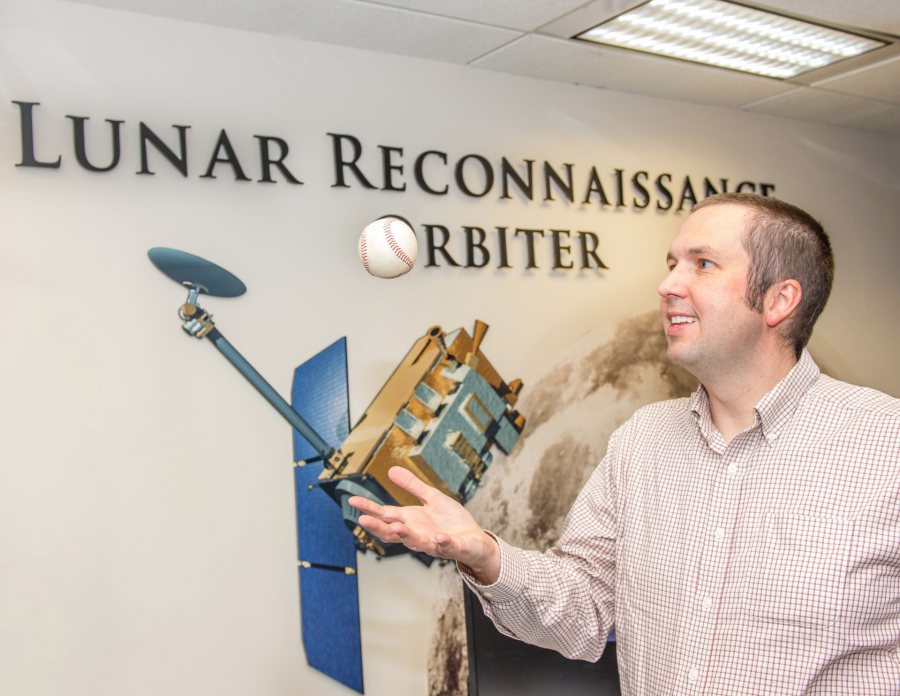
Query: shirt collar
699, 406
772, 411
776, 408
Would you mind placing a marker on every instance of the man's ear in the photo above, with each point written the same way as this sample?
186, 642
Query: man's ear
781, 301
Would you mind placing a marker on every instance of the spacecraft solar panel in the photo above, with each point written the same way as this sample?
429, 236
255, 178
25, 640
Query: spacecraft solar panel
322, 536
319, 394
330, 608
329, 598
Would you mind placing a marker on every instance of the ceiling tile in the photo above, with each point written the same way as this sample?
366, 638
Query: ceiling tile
812, 104
392, 30
587, 16
627, 71
525, 15
227, 13
342, 22
874, 15
879, 81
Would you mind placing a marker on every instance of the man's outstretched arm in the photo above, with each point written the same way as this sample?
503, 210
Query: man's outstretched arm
439, 526
563, 599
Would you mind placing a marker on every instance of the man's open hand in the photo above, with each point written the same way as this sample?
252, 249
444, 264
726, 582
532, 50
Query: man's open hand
440, 526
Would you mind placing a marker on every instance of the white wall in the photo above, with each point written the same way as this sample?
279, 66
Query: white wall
146, 504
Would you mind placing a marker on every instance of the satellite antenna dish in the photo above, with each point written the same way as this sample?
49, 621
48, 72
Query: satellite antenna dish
195, 272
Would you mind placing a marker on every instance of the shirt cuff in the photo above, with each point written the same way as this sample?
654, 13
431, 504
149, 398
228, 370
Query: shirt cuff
513, 573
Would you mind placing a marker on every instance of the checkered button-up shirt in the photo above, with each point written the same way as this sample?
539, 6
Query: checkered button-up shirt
766, 565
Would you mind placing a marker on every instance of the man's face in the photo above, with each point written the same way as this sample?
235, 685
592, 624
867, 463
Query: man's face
708, 326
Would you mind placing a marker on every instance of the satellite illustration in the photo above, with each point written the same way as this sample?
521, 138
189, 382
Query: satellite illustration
439, 414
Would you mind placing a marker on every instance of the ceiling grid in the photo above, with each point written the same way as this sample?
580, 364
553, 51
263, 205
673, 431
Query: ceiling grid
533, 38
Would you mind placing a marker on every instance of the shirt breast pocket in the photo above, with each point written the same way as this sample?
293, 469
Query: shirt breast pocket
798, 570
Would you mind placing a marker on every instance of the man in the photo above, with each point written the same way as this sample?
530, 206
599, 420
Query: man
743, 541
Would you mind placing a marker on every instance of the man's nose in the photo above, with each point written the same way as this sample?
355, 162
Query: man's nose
672, 284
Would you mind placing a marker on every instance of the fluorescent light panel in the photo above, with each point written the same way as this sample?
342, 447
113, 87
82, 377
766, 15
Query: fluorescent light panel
728, 35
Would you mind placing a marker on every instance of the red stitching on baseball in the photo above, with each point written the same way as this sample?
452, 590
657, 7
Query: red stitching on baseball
392, 243
362, 251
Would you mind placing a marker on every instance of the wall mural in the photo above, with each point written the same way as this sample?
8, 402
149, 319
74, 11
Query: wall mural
439, 415
572, 411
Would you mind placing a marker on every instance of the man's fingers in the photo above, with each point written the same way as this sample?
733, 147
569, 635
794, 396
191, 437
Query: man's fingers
386, 532
408, 481
441, 545
396, 533
364, 504
385, 513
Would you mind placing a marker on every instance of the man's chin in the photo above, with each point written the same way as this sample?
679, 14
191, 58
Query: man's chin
677, 355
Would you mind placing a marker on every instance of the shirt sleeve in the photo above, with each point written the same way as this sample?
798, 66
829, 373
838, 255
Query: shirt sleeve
563, 599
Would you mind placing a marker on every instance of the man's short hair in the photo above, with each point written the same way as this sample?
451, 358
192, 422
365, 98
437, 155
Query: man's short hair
784, 242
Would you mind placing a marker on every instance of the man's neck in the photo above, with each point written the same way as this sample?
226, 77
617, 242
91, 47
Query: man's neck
733, 396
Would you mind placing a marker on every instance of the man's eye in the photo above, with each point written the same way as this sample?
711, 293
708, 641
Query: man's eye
705, 264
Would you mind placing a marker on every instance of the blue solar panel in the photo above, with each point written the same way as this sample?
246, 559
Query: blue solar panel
319, 394
329, 602
322, 536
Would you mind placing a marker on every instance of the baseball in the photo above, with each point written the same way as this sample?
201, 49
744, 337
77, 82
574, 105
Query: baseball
388, 247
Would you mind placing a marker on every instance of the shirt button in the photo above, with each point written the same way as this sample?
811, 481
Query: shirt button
488, 595
707, 603
693, 675
720, 534
732, 469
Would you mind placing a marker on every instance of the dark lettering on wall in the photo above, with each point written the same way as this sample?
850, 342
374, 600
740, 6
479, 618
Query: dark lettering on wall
501, 247
551, 175
434, 172
687, 194
481, 249
26, 114
340, 164
710, 190
419, 172
559, 248
507, 172
488, 176
637, 182
228, 156
529, 237
595, 186
664, 191
472, 245
179, 162
266, 162
589, 243
620, 189
433, 247
390, 166
78, 138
